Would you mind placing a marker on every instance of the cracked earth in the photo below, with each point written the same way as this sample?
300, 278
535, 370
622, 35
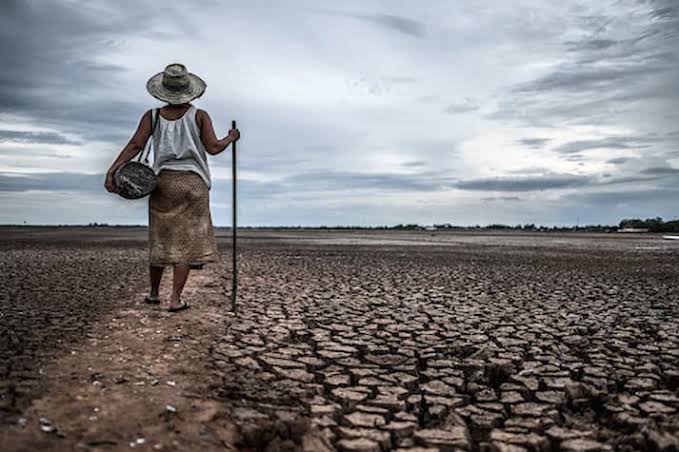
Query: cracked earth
345, 341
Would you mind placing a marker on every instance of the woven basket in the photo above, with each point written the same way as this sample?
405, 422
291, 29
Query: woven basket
134, 180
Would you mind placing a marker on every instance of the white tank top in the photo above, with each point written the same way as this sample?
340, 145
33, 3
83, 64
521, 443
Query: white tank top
177, 145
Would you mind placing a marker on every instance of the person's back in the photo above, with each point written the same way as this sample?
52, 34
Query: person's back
177, 142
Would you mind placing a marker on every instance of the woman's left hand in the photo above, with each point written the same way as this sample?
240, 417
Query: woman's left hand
234, 135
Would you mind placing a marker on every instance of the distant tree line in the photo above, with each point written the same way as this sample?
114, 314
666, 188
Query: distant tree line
447, 226
652, 224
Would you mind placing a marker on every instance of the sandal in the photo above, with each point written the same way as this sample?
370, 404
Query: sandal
181, 307
151, 300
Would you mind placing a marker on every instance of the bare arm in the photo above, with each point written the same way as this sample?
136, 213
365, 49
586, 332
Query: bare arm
136, 144
213, 145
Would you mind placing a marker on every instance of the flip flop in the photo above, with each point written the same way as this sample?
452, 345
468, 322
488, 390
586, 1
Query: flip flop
151, 300
181, 307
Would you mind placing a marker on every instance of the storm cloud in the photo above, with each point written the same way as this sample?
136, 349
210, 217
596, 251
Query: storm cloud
535, 143
397, 23
627, 54
525, 183
605, 143
372, 112
20, 136
51, 182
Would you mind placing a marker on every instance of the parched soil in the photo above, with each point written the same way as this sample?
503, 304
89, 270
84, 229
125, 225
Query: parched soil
411, 342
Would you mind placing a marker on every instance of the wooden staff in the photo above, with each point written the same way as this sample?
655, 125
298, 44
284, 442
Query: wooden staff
234, 268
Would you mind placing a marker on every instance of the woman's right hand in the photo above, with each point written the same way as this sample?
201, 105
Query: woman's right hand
109, 184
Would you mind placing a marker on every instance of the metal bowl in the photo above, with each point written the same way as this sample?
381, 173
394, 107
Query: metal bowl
134, 180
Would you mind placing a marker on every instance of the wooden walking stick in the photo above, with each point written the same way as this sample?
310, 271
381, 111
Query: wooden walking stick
234, 268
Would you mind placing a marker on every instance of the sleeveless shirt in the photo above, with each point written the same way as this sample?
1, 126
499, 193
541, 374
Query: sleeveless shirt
177, 145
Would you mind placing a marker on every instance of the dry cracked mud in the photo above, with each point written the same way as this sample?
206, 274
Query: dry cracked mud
539, 343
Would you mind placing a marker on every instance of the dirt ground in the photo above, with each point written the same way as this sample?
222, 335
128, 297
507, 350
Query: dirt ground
343, 340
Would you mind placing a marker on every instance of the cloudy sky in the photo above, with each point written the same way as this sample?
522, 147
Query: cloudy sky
356, 112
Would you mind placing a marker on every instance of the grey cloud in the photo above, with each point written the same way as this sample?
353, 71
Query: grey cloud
49, 54
621, 73
623, 180
345, 180
69, 181
527, 179
502, 198
34, 153
51, 182
312, 181
250, 191
414, 164
661, 171
524, 183
534, 143
628, 196
18, 136
606, 143
667, 10
465, 106
326, 181
530, 170
591, 44
400, 24
619, 64
576, 78
575, 158
543, 110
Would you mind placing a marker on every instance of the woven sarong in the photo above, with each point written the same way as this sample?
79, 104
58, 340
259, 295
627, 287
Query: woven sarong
180, 225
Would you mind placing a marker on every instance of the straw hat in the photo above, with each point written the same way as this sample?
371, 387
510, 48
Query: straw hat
175, 85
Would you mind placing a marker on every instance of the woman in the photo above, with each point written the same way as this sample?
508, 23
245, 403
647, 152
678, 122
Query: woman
180, 224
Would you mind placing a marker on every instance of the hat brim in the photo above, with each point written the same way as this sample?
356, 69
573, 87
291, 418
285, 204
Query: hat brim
193, 90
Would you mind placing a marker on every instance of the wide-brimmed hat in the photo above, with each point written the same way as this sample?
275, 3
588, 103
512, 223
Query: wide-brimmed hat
175, 85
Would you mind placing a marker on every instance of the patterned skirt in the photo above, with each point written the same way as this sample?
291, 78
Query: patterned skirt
180, 225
